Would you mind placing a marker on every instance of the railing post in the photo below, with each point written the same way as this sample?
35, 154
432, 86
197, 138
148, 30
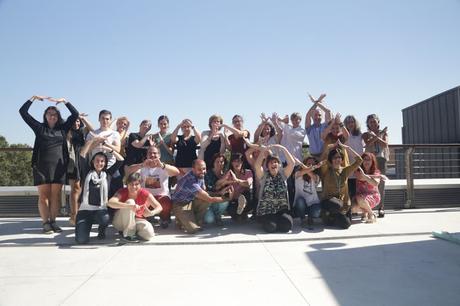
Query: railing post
410, 201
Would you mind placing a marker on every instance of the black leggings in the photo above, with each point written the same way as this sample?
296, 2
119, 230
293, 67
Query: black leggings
279, 222
86, 219
332, 215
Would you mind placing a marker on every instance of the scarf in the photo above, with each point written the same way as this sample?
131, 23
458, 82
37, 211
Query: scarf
102, 181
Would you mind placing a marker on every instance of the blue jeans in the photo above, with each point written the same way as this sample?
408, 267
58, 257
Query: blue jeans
215, 212
86, 219
301, 209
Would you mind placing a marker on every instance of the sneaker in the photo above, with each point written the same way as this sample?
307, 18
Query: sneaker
47, 229
164, 224
241, 204
55, 227
132, 239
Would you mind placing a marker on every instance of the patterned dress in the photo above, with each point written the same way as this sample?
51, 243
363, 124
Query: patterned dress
369, 192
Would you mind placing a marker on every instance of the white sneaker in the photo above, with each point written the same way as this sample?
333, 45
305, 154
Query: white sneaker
241, 204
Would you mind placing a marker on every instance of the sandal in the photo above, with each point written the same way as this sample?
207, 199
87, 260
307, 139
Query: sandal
372, 219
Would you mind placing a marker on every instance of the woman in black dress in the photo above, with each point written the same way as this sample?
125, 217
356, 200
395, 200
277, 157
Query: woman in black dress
50, 157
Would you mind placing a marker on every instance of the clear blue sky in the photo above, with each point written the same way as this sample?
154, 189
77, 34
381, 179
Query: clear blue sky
195, 58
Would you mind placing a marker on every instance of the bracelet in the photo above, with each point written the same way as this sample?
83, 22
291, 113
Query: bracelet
164, 166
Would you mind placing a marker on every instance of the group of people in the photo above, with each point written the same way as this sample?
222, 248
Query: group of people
128, 178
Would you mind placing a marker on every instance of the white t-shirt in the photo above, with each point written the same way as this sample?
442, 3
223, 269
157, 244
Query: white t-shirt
357, 144
306, 190
155, 180
293, 140
113, 138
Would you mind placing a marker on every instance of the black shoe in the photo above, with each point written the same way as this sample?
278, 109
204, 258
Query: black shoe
164, 224
47, 229
219, 222
55, 227
381, 213
101, 234
131, 239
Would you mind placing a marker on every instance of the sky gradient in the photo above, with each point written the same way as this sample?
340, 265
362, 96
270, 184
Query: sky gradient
191, 59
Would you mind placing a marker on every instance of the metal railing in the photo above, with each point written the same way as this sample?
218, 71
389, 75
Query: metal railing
423, 161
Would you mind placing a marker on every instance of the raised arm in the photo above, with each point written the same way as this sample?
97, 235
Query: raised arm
24, 112
370, 138
197, 134
236, 132
276, 123
358, 159
289, 159
327, 112
258, 132
112, 149
175, 132
88, 126
91, 144
327, 130
309, 116
373, 180
259, 170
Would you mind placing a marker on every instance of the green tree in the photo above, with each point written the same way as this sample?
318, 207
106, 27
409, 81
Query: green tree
15, 166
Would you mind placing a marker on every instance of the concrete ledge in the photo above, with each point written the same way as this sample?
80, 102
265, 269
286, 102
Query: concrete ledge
441, 183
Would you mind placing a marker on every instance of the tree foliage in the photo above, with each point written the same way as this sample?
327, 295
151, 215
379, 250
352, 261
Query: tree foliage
15, 167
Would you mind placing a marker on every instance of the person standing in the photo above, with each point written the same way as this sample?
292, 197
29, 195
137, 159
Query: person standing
315, 126
50, 157
376, 141
113, 141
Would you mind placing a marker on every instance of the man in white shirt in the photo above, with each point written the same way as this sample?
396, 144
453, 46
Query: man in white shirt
155, 175
113, 137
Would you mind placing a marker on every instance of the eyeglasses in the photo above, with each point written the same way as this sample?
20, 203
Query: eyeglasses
52, 114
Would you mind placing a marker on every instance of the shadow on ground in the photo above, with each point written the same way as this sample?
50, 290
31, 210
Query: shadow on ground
415, 273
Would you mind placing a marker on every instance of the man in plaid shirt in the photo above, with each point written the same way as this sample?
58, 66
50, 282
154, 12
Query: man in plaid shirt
191, 201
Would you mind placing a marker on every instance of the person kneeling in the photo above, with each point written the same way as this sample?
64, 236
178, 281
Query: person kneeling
134, 204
